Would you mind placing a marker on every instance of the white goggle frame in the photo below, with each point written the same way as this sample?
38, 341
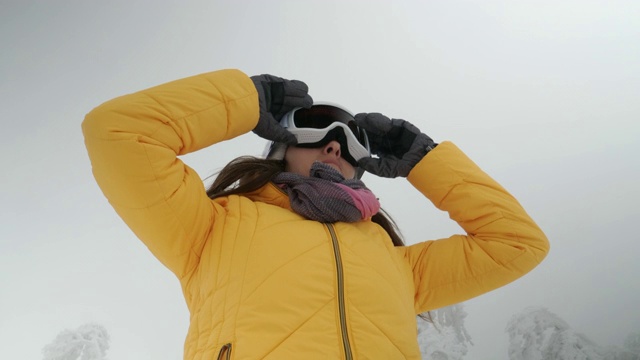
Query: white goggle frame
312, 135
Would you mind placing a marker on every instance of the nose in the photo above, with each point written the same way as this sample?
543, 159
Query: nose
332, 148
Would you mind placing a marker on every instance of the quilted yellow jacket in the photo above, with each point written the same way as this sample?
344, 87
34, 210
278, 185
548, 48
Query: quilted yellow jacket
260, 281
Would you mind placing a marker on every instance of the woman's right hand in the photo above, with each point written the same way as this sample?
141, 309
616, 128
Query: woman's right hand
278, 96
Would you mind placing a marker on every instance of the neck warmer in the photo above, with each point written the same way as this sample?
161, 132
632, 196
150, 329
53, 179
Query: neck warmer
326, 196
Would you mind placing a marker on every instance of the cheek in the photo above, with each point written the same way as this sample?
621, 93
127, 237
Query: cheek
296, 168
349, 170
298, 160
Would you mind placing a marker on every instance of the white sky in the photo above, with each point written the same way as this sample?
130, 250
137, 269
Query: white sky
544, 95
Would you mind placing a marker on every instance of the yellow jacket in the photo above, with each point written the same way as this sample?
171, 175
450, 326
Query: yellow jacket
260, 281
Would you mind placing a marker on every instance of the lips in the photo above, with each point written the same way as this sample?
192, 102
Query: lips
333, 164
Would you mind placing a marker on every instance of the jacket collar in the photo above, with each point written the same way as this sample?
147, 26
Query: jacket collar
271, 194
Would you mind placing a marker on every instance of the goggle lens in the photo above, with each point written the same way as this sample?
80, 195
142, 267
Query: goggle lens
322, 116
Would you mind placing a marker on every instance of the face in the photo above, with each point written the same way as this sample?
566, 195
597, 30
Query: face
299, 160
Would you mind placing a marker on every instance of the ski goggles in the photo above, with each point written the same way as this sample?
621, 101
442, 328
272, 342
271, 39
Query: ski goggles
323, 123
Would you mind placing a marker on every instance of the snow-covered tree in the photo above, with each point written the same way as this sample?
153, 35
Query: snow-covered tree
88, 342
538, 334
444, 337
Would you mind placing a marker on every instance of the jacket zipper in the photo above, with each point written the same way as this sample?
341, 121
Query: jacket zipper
225, 352
341, 302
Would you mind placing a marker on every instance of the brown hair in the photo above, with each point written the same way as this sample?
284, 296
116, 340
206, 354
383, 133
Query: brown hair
247, 173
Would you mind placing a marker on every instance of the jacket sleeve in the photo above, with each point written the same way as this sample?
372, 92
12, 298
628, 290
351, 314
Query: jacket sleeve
502, 242
133, 142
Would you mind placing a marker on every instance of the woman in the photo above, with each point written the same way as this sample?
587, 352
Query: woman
291, 259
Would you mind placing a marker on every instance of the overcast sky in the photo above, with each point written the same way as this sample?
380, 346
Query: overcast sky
544, 95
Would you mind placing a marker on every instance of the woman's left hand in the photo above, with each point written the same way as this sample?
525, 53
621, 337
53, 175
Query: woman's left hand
398, 144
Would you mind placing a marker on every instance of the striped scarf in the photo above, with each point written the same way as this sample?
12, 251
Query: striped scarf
326, 196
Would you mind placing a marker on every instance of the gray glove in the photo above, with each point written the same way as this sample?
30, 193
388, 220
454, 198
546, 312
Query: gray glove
278, 96
398, 144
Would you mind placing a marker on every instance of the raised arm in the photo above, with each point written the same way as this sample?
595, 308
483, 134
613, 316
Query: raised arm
502, 243
133, 142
